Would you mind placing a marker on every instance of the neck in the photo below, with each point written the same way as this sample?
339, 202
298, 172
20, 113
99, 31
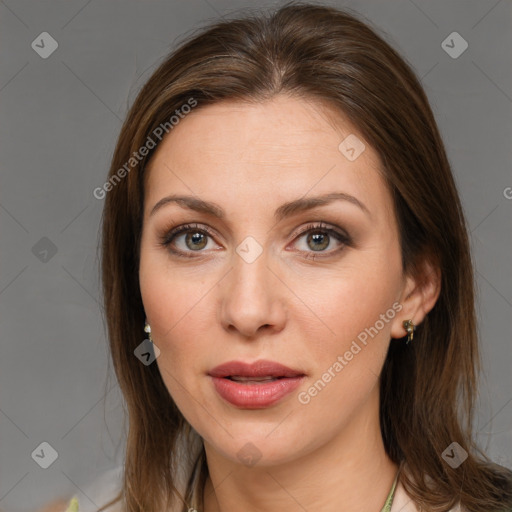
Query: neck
352, 471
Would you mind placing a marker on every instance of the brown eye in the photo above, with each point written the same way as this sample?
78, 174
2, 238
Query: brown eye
317, 238
186, 239
317, 241
195, 240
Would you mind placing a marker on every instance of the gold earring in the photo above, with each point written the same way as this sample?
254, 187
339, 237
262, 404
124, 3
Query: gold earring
147, 329
410, 328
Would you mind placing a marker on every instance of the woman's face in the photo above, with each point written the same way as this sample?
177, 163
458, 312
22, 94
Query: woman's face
300, 266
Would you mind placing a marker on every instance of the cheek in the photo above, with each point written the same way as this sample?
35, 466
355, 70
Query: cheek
178, 328
175, 302
172, 303
351, 310
172, 295
347, 349
176, 309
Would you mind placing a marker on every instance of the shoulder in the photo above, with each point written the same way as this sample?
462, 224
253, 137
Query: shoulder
101, 490
58, 505
94, 495
403, 503
74, 506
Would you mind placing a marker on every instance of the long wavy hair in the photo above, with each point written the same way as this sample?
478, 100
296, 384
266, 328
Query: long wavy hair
427, 388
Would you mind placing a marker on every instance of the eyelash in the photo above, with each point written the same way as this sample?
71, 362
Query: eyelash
169, 236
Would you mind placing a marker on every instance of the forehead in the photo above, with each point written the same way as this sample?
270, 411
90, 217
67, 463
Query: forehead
284, 147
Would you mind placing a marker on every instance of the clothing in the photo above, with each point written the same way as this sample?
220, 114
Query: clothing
108, 485
98, 492
391, 496
73, 505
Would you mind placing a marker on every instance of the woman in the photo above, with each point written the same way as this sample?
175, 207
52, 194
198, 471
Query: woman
281, 219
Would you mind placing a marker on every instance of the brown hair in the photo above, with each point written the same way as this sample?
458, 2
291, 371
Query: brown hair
428, 387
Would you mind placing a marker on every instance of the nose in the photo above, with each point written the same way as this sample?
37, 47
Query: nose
252, 298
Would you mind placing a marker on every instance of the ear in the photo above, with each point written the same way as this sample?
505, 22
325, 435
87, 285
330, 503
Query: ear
419, 295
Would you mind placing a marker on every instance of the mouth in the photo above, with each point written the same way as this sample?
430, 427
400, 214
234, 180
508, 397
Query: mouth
254, 386
258, 371
252, 380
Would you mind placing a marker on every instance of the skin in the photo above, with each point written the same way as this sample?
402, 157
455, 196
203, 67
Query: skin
214, 307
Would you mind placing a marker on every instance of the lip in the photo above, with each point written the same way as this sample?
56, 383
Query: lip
261, 368
254, 395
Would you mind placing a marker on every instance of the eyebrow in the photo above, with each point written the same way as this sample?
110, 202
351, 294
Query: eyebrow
285, 210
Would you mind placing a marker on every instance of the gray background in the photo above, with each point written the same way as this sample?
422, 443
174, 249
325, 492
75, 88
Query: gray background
60, 119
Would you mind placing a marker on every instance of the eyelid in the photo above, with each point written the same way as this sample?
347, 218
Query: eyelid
321, 226
332, 230
172, 232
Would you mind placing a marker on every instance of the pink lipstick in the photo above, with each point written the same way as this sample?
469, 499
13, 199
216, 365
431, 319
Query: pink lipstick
254, 386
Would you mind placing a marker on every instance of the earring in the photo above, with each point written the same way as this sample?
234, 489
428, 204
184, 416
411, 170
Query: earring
147, 329
410, 328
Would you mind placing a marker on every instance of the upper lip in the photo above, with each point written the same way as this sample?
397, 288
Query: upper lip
261, 368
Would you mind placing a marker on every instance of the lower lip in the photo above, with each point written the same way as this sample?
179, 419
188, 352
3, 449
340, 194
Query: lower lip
255, 396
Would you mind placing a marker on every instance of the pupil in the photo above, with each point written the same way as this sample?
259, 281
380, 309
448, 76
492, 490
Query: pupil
318, 237
195, 238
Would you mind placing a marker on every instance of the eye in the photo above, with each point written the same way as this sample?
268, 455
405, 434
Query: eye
193, 239
318, 237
